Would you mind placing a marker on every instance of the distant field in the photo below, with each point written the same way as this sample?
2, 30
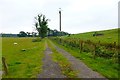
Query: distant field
23, 64
109, 36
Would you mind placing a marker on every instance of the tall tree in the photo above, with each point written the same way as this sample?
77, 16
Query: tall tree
41, 25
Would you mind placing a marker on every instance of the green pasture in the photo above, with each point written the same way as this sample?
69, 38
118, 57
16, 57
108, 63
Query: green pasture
109, 36
23, 64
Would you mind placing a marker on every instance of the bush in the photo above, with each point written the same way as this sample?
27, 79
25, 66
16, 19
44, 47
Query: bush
102, 52
36, 40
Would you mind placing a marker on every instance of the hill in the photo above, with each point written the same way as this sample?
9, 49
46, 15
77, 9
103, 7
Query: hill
105, 36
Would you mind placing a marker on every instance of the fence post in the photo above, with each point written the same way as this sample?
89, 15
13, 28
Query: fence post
115, 55
59, 40
81, 46
99, 43
114, 44
5, 66
94, 53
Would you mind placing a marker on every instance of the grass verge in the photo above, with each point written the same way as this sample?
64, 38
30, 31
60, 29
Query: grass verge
62, 61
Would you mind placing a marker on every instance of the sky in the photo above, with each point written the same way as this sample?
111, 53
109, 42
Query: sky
78, 16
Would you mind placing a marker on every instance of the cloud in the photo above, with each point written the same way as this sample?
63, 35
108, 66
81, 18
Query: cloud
77, 15
87, 15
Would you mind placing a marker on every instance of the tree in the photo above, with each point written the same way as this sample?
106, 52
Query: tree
55, 32
28, 34
41, 25
22, 34
34, 34
48, 29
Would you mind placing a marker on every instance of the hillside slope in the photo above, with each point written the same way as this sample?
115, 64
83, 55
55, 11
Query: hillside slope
107, 36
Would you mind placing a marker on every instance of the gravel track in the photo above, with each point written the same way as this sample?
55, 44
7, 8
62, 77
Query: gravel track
50, 68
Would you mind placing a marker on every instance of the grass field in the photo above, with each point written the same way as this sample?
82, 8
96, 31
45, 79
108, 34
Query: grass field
109, 36
23, 64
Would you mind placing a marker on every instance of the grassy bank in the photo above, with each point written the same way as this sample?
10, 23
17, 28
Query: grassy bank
24, 59
108, 36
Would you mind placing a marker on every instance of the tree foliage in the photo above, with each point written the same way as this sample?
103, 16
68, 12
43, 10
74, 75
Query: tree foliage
41, 25
27, 34
22, 34
56, 32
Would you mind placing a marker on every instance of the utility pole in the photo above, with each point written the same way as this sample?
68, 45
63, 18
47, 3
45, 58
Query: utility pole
60, 23
60, 17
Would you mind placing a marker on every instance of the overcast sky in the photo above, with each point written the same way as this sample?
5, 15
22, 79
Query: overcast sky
77, 15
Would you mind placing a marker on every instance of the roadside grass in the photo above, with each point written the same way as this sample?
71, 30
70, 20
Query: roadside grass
23, 64
109, 36
62, 61
105, 67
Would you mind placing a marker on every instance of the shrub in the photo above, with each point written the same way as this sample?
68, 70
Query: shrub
36, 40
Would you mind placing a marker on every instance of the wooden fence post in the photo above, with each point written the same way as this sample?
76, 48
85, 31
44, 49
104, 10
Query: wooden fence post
94, 53
5, 66
81, 46
115, 45
115, 55
99, 43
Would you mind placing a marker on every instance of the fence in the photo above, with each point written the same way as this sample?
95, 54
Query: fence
97, 49
5, 66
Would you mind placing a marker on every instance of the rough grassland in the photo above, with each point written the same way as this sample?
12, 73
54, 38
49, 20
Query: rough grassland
23, 64
109, 36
